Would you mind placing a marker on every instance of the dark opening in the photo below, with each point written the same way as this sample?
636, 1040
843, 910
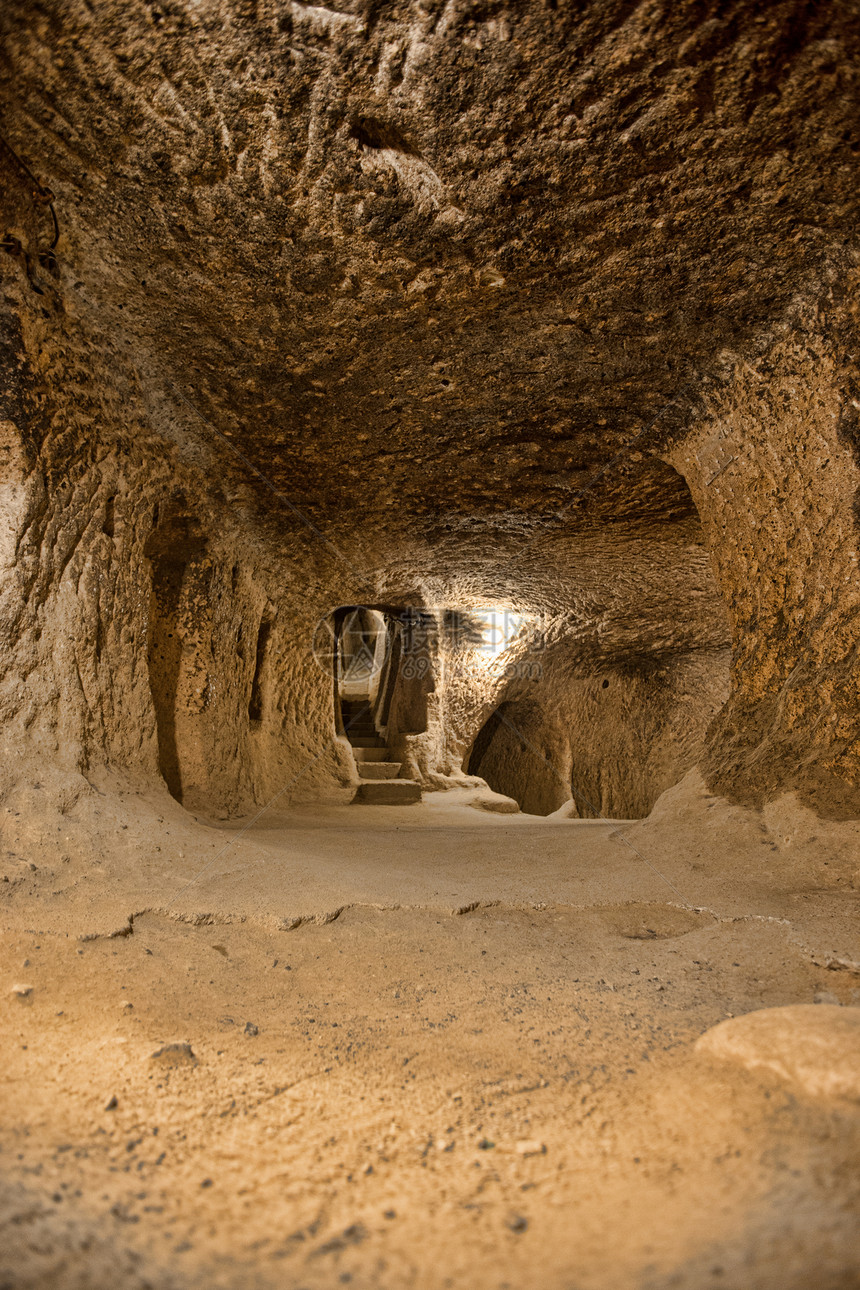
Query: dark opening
382, 667
255, 702
505, 755
178, 620
375, 135
109, 525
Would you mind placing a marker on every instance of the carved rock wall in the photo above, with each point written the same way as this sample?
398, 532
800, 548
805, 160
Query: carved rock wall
416, 304
774, 467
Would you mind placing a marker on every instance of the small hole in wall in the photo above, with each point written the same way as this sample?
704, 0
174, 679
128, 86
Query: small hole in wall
109, 524
374, 135
606, 685
255, 702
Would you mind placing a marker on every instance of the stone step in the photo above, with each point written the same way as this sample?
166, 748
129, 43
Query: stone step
380, 769
371, 754
367, 741
387, 792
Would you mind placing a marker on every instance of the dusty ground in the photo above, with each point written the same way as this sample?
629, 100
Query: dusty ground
396, 1095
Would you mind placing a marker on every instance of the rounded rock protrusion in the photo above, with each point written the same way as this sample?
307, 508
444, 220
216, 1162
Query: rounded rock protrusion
496, 803
180, 1054
815, 1047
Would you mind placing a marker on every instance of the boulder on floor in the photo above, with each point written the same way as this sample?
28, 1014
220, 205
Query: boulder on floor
815, 1047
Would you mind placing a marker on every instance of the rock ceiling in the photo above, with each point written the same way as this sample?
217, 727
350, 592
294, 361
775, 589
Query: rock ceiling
438, 260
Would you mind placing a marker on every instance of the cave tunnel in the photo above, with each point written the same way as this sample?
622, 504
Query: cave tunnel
429, 673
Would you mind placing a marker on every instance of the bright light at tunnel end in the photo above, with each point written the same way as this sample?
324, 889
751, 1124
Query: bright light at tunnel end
356, 642
499, 628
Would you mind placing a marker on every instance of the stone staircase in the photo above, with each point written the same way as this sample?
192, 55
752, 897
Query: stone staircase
379, 783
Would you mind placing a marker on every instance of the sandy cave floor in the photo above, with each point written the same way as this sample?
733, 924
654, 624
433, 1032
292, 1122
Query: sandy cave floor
366, 1087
